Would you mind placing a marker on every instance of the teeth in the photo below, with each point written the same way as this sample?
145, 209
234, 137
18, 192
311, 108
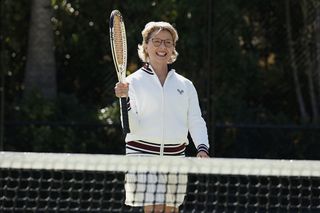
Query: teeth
161, 54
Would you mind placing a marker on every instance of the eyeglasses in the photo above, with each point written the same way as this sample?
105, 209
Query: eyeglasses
157, 42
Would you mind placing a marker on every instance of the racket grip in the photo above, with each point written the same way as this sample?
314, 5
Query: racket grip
125, 119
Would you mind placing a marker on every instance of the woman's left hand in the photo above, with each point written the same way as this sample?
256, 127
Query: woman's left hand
202, 154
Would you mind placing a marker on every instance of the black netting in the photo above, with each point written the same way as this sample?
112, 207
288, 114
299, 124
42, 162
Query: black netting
87, 191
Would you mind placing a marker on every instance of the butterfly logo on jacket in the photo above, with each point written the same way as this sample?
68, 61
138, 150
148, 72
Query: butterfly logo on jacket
180, 91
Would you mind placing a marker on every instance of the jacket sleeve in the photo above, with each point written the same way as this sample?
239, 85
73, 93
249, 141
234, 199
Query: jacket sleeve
196, 123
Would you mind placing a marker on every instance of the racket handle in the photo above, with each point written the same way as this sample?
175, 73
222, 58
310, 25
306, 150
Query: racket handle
125, 119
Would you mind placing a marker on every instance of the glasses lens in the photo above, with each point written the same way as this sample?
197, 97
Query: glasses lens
157, 42
168, 43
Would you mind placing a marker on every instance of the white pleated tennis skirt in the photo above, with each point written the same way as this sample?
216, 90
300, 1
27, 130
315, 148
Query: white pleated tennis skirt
154, 188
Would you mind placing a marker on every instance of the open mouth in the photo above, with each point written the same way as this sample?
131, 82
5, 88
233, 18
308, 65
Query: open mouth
161, 54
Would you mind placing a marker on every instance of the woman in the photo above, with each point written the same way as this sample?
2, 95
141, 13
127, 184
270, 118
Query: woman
163, 107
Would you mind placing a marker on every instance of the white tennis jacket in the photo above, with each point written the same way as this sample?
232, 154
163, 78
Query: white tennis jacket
164, 114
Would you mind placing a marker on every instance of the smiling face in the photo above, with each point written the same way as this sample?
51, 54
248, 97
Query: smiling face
160, 47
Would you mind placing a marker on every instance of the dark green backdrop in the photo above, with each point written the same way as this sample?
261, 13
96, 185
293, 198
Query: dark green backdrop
238, 54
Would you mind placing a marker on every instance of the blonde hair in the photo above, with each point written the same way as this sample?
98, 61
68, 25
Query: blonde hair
146, 34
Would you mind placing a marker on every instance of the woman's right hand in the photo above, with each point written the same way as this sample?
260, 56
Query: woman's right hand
121, 89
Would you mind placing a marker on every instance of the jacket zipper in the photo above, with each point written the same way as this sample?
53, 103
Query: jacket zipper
162, 111
162, 119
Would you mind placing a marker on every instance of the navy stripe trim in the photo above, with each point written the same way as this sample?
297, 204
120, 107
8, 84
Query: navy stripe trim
152, 148
204, 148
156, 144
138, 151
128, 104
147, 71
146, 67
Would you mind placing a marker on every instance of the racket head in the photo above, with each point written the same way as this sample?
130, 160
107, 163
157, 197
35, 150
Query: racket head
118, 41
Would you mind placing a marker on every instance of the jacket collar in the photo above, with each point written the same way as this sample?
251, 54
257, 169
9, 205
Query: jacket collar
148, 68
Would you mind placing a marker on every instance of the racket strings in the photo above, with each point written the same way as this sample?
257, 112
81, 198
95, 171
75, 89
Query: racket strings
118, 40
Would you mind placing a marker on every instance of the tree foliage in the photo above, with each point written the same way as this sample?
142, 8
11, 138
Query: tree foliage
236, 52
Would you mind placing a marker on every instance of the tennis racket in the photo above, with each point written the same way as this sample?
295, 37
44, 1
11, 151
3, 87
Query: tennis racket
118, 43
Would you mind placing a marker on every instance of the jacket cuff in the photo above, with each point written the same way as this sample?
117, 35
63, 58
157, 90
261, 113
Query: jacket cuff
204, 148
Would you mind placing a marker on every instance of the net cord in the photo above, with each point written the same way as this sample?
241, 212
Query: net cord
120, 163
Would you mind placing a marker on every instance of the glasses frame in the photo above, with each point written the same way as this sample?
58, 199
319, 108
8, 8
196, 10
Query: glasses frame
163, 41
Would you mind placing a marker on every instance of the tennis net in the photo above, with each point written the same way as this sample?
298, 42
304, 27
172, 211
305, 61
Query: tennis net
52, 182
